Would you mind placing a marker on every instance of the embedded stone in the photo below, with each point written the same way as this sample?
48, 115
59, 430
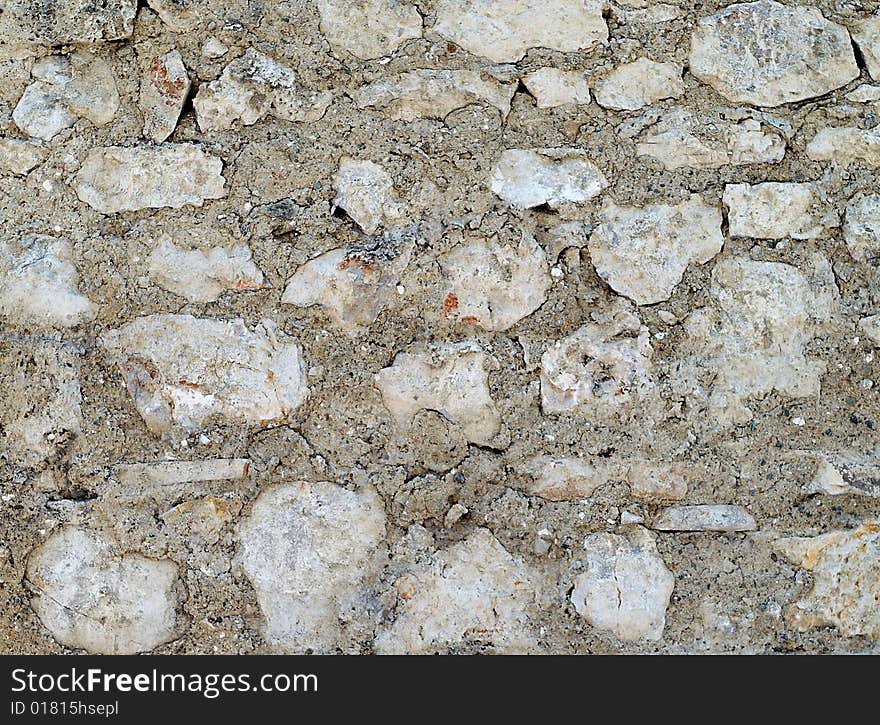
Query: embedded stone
19, 157
563, 478
705, 517
775, 210
866, 34
861, 228
369, 28
638, 84
846, 146
366, 192
26, 22
164, 89
553, 87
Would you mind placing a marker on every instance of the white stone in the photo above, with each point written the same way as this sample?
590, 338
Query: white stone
494, 285
352, 286
202, 276
450, 378
366, 192
91, 595
527, 179
66, 87
846, 146
39, 284
705, 517
167, 473
164, 89
114, 179
752, 339
870, 327
563, 478
846, 580
214, 48
865, 93
861, 228
181, 370
599, 369
642, 253
776, 210
504, 30
473, 593
181, 16
369, 28
766, 53
845, 473
429, 93
312, 552
19, 157
252, 87
553, 87
626, 587
651, 14
866, 34
638, 84
655, 481
24, 22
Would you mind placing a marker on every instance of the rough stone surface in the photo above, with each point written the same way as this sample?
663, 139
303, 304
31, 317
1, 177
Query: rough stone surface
310, 550
866, 34
369, 28
632, 86
94, 597
27, 23
643, 253
758, 53
861, 228
366, 192
552, 87
774, 210
18, 157
846, 146
626, 587
164, 89
705, 517
181, 370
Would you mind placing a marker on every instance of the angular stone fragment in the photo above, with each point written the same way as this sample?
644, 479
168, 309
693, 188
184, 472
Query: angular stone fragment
752, 340
846, 580
40, 389
655, 481
642, 253
845, 472
366, 192
39, 284
846, 146
449, 378
19, 157
870, 326
167, 473
504, 30
61, 22
66, 87
527, 179
766, 53
164, 89
599, 369
866, 34
312, 552
92, 596
182, 370
369, 28
492, 285
114, 179
705, 517
562, 478
430, 93
861, 228
182, 16
251, 87
634, 85
203, 276
678, 141
552, 87
626, 587
473, 593
353, 286
775, 210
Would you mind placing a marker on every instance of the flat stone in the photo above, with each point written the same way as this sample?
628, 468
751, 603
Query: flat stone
846, 146
705, 517
553, 87
473, 593
252, 87
114, 179
429, 93
846, 580
168, 473
369, 28
30, 22
626, 587
861, 228
164, 89
563, 478
642, 253
775, 210
93, 596
767, 54
39, 284
866, 34
352, 286
865, 93
526, 179
599, 369
631, 86
19, 157
504, 30
366, 192
656, 481
450, 378
845, 473
494, 285
202, 276
313, 552
181, 370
